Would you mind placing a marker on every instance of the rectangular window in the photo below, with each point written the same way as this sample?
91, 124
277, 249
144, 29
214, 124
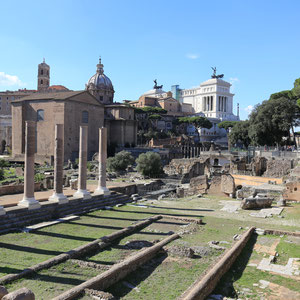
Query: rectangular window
40, 115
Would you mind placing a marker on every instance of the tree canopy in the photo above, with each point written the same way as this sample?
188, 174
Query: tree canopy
150, 110
240, 133
272, 120
199, 122
227, 124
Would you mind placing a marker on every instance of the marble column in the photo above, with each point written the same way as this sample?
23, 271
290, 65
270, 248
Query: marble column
83, 145
102, 189
2, 211
30, 144
58, 195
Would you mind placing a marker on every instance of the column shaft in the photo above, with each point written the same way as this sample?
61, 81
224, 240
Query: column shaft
102, 189
58, 195
83, 147
30, 144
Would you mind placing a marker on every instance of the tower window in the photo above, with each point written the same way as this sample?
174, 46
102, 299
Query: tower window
40, 115
48, 73
85, 117
41, 81
101, 98
42, 72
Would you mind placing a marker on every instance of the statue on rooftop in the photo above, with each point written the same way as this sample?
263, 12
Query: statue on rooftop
157, 87
214, 75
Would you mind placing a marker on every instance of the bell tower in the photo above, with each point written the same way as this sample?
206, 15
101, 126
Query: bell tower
43, 77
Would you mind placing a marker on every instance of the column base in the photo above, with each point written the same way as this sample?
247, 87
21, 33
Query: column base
30, 203
60, 198
82, 194
2, 211
101, 190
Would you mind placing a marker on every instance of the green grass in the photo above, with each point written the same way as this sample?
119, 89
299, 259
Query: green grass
167, 276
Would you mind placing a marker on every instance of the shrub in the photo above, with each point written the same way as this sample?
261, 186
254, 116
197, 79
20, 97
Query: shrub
120, 161
38, 177
149, 164
90, 166
4, 163
1, 174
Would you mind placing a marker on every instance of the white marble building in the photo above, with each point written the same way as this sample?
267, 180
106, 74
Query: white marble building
212, 98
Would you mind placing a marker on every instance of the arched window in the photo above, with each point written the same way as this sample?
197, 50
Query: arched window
42, 72
85, 117
48, 73
41, 81
40, 115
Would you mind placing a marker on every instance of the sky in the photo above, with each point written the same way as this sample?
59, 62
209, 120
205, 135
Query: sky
255, 44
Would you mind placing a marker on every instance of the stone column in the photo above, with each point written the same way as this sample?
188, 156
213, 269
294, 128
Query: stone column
30, 143
83, 145
102, 189
58, 195
2, 211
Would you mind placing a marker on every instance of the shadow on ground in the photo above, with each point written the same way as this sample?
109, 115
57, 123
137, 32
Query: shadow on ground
225, 286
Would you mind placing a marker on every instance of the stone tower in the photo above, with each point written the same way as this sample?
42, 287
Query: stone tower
43, 76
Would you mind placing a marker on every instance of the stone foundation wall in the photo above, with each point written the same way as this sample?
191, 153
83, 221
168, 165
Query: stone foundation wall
202, 288
17, 217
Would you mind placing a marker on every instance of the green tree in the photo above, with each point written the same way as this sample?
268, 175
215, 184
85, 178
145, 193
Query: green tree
240, 133
198, 122
120, 161
149, 164
272, 120
227, 124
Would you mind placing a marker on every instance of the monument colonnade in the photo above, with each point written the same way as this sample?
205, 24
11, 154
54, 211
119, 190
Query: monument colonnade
29, 200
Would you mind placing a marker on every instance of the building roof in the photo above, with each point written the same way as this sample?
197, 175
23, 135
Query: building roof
100, 80
216, 81
58, 88
154, 93
60, 96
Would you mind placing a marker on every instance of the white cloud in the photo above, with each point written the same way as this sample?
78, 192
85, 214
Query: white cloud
192, 55
233, 81
8, 80
249, 109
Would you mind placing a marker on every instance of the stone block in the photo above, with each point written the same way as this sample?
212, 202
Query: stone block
215, 186
256, 202
227, 184
21, 294
199, 184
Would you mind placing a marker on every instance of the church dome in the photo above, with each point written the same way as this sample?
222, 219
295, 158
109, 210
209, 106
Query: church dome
100, 81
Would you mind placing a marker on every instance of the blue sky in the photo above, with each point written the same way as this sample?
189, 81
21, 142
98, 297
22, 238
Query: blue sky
254, 43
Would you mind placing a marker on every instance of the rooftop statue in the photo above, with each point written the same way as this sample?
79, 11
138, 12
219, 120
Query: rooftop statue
214, 75
157, 87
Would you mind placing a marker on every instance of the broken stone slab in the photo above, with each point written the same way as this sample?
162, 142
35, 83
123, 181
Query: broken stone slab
267, 212
95, 294
214, 244
21, 294
256, 202
181, 251
50, 223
